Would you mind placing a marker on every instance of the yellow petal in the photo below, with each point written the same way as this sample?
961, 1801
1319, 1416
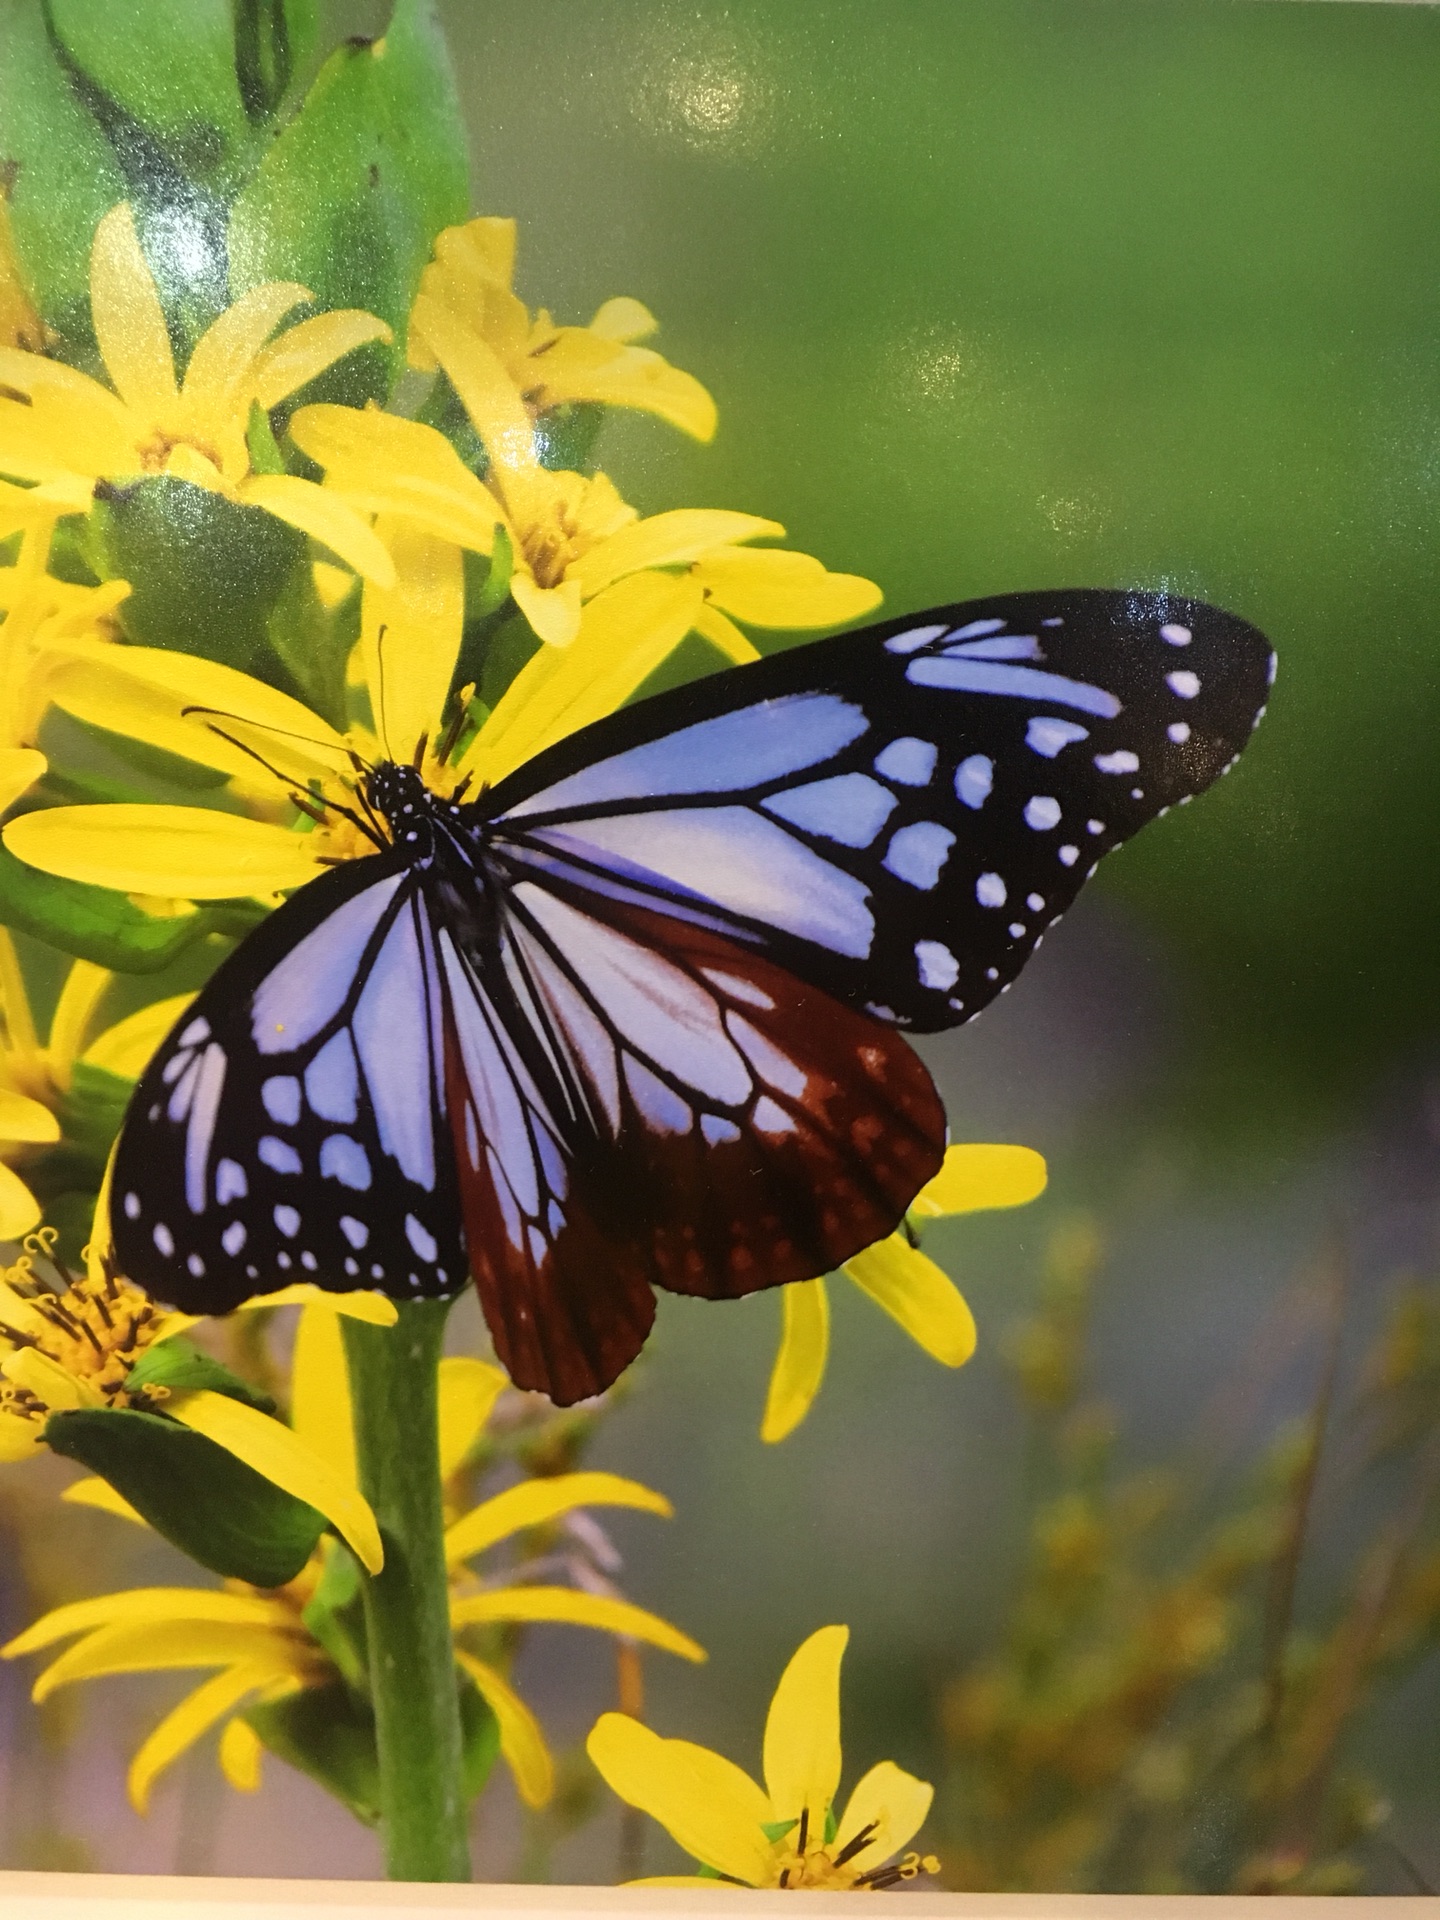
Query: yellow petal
22, 1118
20, 768
73, 426
283, 1458
386, 464
188, 706
410, 636
125, 1048
18, 1314
802, 1730
324, 516
521, 1741
626, 633
99, 1494
129, 320
19, 1209
85, 986
53, 1386
320, 1391
895, 1801
373, 1308
623, 319
332, 584
192, 853
533, 1502
976, 1177
220, 375
569, 1607
486, 391
302, 352
583, 365
19, 1437
773, 587
919, 1295
186, 1643
800, 1363
185, 1724
156, 1609
241, 1752
722, 632
667, 540
706, 1804
553, 612
468, 1391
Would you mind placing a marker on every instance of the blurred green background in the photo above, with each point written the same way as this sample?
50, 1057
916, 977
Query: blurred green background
1000, 294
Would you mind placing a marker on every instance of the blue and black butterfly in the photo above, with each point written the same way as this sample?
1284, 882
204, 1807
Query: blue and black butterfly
633, 1017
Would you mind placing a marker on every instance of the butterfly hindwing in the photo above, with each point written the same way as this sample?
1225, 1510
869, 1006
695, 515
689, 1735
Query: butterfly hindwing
292, 1125
898, 815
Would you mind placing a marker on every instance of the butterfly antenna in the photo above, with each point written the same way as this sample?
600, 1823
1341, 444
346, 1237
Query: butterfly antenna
380, 718
457, 723
307, 803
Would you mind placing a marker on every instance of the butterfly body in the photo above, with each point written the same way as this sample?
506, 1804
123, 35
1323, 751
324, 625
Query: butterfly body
632, 1018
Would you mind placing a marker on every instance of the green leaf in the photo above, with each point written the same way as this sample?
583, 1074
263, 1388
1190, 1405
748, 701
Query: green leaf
265, 454
774, 1830
65, 175
273, 41
93, 923
179, 1364
203, 1500
335, 1615
311, 644
328, 1734
205, 574
487, 591
170, 64
479, 1738
350, 198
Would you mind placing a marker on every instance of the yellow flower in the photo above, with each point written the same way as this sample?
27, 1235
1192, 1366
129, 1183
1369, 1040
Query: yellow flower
259, 1640
39, 614
570, 538
72, 1341
402, 671
898, 1277
466, 296
67, 429
785, 1834
35, 1077
20, 324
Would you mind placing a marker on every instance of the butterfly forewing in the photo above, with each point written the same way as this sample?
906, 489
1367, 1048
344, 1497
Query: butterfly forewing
898, 815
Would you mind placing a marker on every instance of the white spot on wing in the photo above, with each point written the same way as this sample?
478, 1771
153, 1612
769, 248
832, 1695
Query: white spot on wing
331, 1081
939, 969
200, 1134
908, 761
849, 809
280, 1095
1046, 735
990, 890
1042, 812
1184, 683
230, 1182
345, 1160
1178, 731
421, 1239
973, 780
1177, 635
918, 852
278, 1155
1122, 761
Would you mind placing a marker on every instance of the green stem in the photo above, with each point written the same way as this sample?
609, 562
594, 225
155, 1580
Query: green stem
393, 1376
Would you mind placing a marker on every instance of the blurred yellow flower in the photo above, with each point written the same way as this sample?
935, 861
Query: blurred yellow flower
569, 537
786, 1834
20, 324
38, 615
263, 1643
60, 427
402, 671
467, 302
894, 1273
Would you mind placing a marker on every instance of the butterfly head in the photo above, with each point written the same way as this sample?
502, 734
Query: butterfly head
400, 797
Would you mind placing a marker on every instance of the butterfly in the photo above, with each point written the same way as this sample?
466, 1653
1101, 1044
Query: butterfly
635, 1016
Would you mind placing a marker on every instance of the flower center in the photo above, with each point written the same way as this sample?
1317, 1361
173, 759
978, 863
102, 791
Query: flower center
96, 1328
156, 451
804, 1864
